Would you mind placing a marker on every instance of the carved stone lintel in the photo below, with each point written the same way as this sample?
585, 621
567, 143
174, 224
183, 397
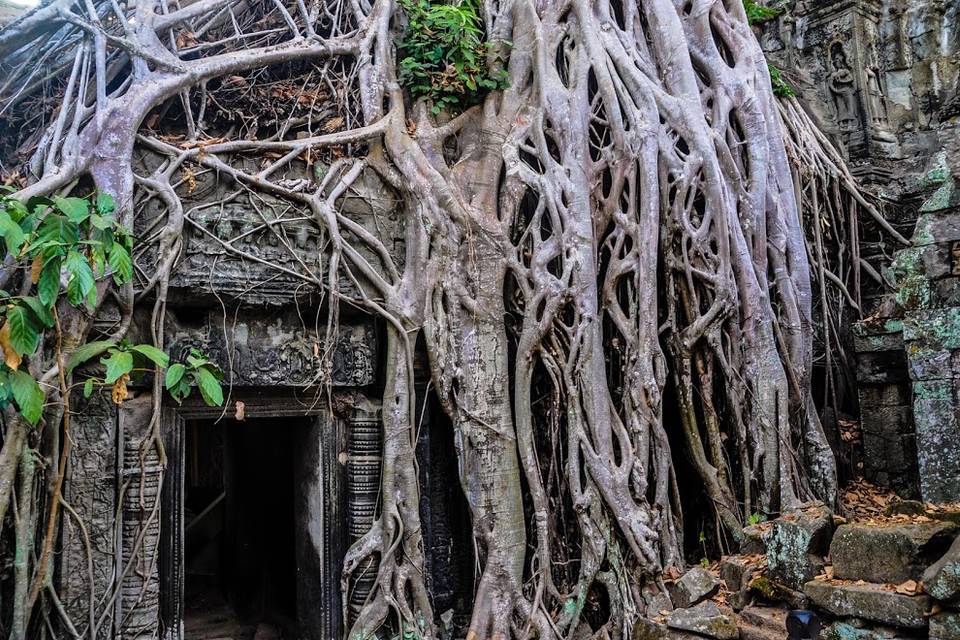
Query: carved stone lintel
274, 350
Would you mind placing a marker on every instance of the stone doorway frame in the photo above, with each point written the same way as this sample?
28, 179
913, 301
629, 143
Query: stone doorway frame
284, 402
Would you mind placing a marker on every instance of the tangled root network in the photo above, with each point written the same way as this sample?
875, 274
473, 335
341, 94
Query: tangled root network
612, 261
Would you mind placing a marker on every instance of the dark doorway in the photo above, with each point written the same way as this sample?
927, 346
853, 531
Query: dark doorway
240, 546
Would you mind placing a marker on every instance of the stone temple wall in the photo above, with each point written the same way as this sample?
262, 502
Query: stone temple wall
881, 77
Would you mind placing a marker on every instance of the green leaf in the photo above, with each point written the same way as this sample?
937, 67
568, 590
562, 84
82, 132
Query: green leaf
88, 388
17, 210
101, 222
158, 357
81, 280
28, 395
105, 203
58, 230
24, 332
121, 264
12, 234
210, 387
48, 287
118, 363
76, 209
84, 352
174, 375
39, 310
99, 262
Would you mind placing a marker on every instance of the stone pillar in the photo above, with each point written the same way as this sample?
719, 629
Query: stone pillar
90, 490
886, 413
364, 457
928, 279
141, 480
320, 517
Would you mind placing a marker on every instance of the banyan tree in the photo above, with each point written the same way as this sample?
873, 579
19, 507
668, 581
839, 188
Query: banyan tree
619, 256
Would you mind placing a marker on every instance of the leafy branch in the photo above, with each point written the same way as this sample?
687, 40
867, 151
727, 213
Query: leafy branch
64, 246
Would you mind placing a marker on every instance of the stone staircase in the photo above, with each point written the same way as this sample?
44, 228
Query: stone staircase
886, 573
762, 623
893, 574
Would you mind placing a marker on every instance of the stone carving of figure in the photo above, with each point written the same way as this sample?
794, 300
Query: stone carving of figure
875, 99
842, 88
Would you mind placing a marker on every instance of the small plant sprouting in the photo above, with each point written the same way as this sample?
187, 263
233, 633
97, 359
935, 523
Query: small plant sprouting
780, 86
756, 518
758, 13
444, 55
702, 539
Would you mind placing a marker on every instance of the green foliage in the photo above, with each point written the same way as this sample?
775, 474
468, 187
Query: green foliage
198, 371
755, 518
49, 238
780, 86
757, 13
444, 56
76, 240
124, 360
26, 391
705, 563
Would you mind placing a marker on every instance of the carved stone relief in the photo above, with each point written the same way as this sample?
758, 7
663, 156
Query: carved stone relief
91, 493
275, 349
843, 90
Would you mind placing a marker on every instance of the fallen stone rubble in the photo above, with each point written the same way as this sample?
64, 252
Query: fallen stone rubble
895, 576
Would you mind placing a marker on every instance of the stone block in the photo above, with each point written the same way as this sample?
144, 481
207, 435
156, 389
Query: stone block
936, 227
737, 571
935, 328
885, 395
873, 337
871, 602
942, 579
844, 630
754, 539
705, 619
796, 545
882, 367
646, 629
272, 349
888, 553
695, 585
945, 626
938, 440
889, 446
763, 588
762, 623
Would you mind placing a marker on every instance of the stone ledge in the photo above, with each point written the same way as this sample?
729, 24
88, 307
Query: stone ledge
871, 602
